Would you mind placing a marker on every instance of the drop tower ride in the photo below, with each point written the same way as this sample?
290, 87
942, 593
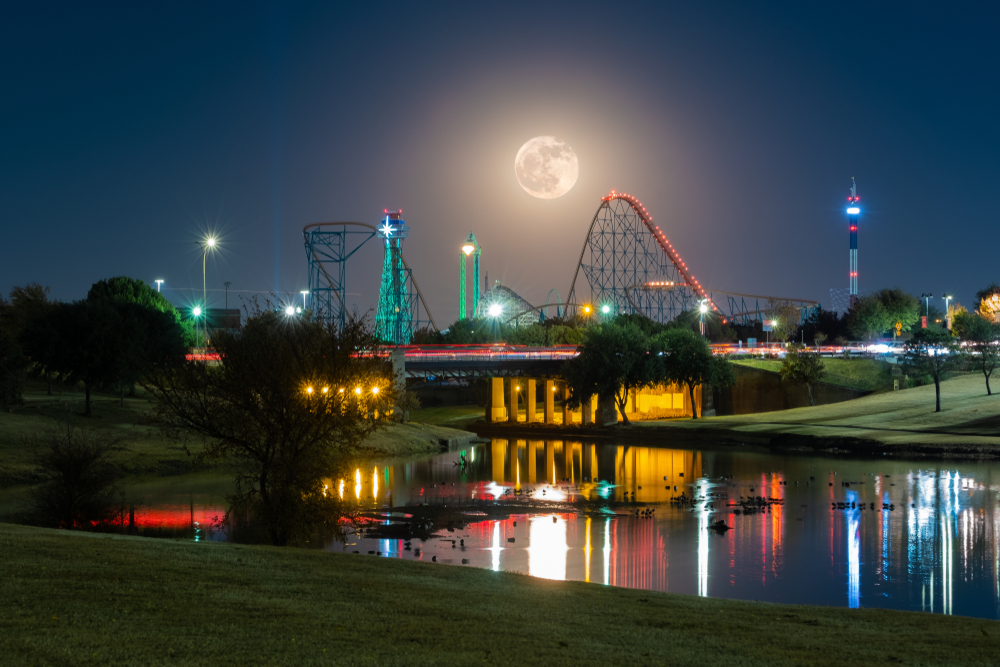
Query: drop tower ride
853, 210
394, 317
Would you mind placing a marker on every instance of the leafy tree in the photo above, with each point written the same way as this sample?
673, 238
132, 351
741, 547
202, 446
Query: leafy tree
900, 306
123, 289
27, 305
988, 302
288, 402
821, 321
687, 360
561, 334
614, 359
533, 335
982, 334
869, 318
932, 352
803, 367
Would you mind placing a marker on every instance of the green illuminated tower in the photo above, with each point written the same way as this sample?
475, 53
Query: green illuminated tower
394, 318
468, 248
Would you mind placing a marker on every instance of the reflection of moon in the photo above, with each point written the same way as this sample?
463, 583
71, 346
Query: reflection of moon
546, 167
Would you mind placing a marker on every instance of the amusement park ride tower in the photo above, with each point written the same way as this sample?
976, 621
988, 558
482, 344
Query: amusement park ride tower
853, 210
469, 248
394, 319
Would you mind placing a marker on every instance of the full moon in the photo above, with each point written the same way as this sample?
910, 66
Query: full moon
546, 167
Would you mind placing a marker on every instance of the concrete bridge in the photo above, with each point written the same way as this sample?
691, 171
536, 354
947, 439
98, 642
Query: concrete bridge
524, 384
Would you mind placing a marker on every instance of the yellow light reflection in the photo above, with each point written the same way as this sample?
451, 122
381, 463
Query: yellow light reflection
586, 552
547, 553
357, 483
341, 489
375, 483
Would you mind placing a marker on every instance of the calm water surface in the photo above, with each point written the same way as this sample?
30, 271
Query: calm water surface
936, 551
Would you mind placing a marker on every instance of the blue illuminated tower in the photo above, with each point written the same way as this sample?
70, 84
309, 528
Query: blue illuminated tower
394, 317
853, 210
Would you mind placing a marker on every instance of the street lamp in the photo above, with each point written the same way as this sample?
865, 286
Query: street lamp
703, 308
947, 313
304, 293
209, 245
927, 301
158, 283
289, 310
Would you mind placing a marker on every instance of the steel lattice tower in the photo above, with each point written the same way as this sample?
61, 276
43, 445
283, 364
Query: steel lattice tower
394, 317
632, 267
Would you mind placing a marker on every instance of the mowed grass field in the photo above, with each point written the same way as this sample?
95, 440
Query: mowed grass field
968, 424
858, 374
88, 599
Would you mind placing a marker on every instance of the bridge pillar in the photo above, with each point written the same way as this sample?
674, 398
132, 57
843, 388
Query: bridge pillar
512, 409
567, 414
550, 402
530, 400
495, 408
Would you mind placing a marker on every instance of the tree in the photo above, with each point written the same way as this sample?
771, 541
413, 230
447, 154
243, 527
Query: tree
869, 319
826, 322
123, 289
982, 334
785, 317
12, 370
27, 305
803, 367
900, 306
79, 486
288, 402
932, 352
614, 359
687, 360
988, 302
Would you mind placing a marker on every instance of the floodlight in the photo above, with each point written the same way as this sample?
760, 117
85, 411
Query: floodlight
495, 310
853, 210
290, 310
468, 248
196, 311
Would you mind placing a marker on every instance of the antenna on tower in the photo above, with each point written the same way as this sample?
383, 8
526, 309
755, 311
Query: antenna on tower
854, 189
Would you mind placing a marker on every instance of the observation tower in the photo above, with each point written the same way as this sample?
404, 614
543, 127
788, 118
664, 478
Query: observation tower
853, 211
394, 317
470, 247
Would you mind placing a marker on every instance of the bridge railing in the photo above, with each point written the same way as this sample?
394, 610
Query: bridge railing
478, 352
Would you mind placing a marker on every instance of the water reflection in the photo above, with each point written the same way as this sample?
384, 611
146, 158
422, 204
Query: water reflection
935, 550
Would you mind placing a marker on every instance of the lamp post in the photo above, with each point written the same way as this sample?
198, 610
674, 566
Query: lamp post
947, 313
158, 283
196, 311
927, 302
703, 308
209, 245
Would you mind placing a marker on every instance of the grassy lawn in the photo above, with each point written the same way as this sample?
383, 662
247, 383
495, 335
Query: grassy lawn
85, 599
859, 374
969, 421
452, 416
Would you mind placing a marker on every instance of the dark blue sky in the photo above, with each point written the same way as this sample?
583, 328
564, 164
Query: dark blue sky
130, 129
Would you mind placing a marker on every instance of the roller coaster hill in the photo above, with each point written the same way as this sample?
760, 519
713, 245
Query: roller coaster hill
627, 260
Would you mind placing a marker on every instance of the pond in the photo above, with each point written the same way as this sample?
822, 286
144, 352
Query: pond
912, 535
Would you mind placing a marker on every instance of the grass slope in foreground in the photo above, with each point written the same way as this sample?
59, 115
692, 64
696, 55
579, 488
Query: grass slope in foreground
85, 599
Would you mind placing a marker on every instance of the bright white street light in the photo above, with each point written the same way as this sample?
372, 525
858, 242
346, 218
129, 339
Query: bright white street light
703, 307
197, 311
495, 310
290, 310
605, 309
158, 283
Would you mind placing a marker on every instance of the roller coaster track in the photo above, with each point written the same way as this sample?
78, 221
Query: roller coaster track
313, 251
625, 254
734, 314
636, 268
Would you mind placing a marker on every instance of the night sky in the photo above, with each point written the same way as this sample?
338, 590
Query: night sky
131, 129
